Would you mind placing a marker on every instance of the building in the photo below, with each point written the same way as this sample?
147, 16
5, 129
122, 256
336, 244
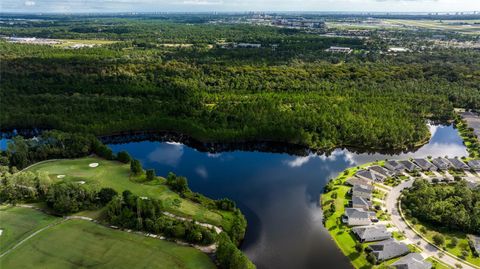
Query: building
474, 164
357, 181
425, 165
388, 249
358, 217
364, 191
474, 243
339, 49
369, 175
371, 233
380, 170
412, 261
409, 166
458, 164
247, 45
441, 163
394, 166
360, 202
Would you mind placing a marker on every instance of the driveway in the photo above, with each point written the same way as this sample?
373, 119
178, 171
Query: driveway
397, 220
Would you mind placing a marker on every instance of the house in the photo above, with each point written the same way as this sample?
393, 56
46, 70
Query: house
358, 217
339, 49
409, 166
458, 164
366, 174
364, 191
441, 163
380, 170
371, 233
412, 261
395, 167
247, 45
388, 249
425, 165
357, 181
474, 242
474, 164
360, 202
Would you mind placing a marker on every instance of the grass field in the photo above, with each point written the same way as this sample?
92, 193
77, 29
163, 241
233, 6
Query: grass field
86, 42
117, 176
18, 223
83, 244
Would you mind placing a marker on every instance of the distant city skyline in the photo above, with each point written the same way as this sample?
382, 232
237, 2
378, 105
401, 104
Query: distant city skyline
104, 6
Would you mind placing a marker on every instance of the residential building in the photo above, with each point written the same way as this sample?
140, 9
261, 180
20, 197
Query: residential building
441, 163
360, 202
357, 181
475, 243
388, 249
366, 174
409, 166
474, 164
412, 261
358, 217
371, 233
339, 49
380, 170
458, 164
395, 167
364, 191
425, 165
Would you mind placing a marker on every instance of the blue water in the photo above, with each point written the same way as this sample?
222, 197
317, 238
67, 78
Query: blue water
278, 193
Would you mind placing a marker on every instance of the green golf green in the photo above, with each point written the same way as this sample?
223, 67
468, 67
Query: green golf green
83, 244
116, 175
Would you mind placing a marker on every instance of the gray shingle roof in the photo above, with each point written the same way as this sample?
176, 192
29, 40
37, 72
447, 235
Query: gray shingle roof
475, 164
388, 249
396, 165
412, 261
372, 233
360, 202
458, 163
380, 170
424, 164
358, 213
357, 181
370, 175
441, 163
409, 165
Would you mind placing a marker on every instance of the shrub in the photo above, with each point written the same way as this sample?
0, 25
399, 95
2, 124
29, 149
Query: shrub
150, 174
123, 157
438, 239
136, 167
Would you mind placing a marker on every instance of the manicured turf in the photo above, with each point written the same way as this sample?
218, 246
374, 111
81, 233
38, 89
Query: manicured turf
83, 244
117, 176
18, 223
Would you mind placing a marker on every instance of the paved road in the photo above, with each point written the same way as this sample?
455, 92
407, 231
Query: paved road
428, 249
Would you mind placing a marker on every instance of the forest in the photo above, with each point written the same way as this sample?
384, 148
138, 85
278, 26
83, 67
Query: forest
290, 90
456, 207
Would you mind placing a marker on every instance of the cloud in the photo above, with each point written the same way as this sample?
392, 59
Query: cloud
168, 153
201, 171
29, 3
299, 161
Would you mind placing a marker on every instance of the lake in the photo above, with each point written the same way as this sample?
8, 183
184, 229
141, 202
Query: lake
278, 193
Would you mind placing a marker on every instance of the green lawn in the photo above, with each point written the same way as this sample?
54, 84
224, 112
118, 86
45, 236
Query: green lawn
18, 223
436, 264
456, 250
117, 176
83, 244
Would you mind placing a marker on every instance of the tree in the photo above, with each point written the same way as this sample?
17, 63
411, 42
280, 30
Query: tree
124, 157
359, 247
150, 174
105, 195
371, 258
136, 167
438, 239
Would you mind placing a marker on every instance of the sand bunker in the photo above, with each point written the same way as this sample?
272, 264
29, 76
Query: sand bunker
93, 165
81, 182
1, 231
60, 176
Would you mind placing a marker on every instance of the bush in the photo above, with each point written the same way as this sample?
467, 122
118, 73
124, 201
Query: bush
124, 157
136, 167
105, 195
371, 258
230, 257
438, 239
358, 247
151, 174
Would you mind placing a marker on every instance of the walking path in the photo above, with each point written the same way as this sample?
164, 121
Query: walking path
397, 220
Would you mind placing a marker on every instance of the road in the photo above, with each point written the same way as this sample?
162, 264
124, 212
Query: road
397, 220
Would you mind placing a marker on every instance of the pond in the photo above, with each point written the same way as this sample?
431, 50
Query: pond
277, 192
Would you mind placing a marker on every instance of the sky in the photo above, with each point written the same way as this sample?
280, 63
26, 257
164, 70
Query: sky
73, 6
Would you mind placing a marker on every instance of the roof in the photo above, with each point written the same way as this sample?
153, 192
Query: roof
412, 261
358, 213
362, 188
441, 162
476, 242
367, 233
357, 181
396, 165
360, 201
458, 163
388, 249
380, 170
370, 175
423, 163
475, 164
409, 165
